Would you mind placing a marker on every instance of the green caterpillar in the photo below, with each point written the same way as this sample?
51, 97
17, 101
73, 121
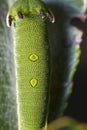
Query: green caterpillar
29, 19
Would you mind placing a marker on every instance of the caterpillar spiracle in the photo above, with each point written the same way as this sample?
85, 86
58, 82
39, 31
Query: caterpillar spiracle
29, 18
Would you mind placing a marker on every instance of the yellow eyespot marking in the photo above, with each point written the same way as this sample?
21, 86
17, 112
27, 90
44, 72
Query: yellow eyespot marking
33, 57
33, 82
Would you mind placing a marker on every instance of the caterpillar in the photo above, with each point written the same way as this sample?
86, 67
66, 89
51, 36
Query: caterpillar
31, 44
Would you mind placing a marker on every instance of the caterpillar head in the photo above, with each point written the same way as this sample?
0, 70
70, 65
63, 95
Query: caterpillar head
22, 9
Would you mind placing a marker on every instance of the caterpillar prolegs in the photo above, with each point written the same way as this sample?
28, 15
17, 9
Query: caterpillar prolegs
31, 43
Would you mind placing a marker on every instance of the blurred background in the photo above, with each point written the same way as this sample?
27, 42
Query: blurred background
77, 106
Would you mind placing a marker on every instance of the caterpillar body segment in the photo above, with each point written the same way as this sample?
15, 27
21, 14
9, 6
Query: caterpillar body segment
32, 73
31, 43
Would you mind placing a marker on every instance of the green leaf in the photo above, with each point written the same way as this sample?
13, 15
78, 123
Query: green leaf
65, 42
8, 113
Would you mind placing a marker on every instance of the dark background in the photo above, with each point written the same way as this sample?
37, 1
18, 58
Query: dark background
77, 107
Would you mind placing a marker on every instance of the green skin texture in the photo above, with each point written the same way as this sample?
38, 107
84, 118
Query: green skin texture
32, 101
31, 38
